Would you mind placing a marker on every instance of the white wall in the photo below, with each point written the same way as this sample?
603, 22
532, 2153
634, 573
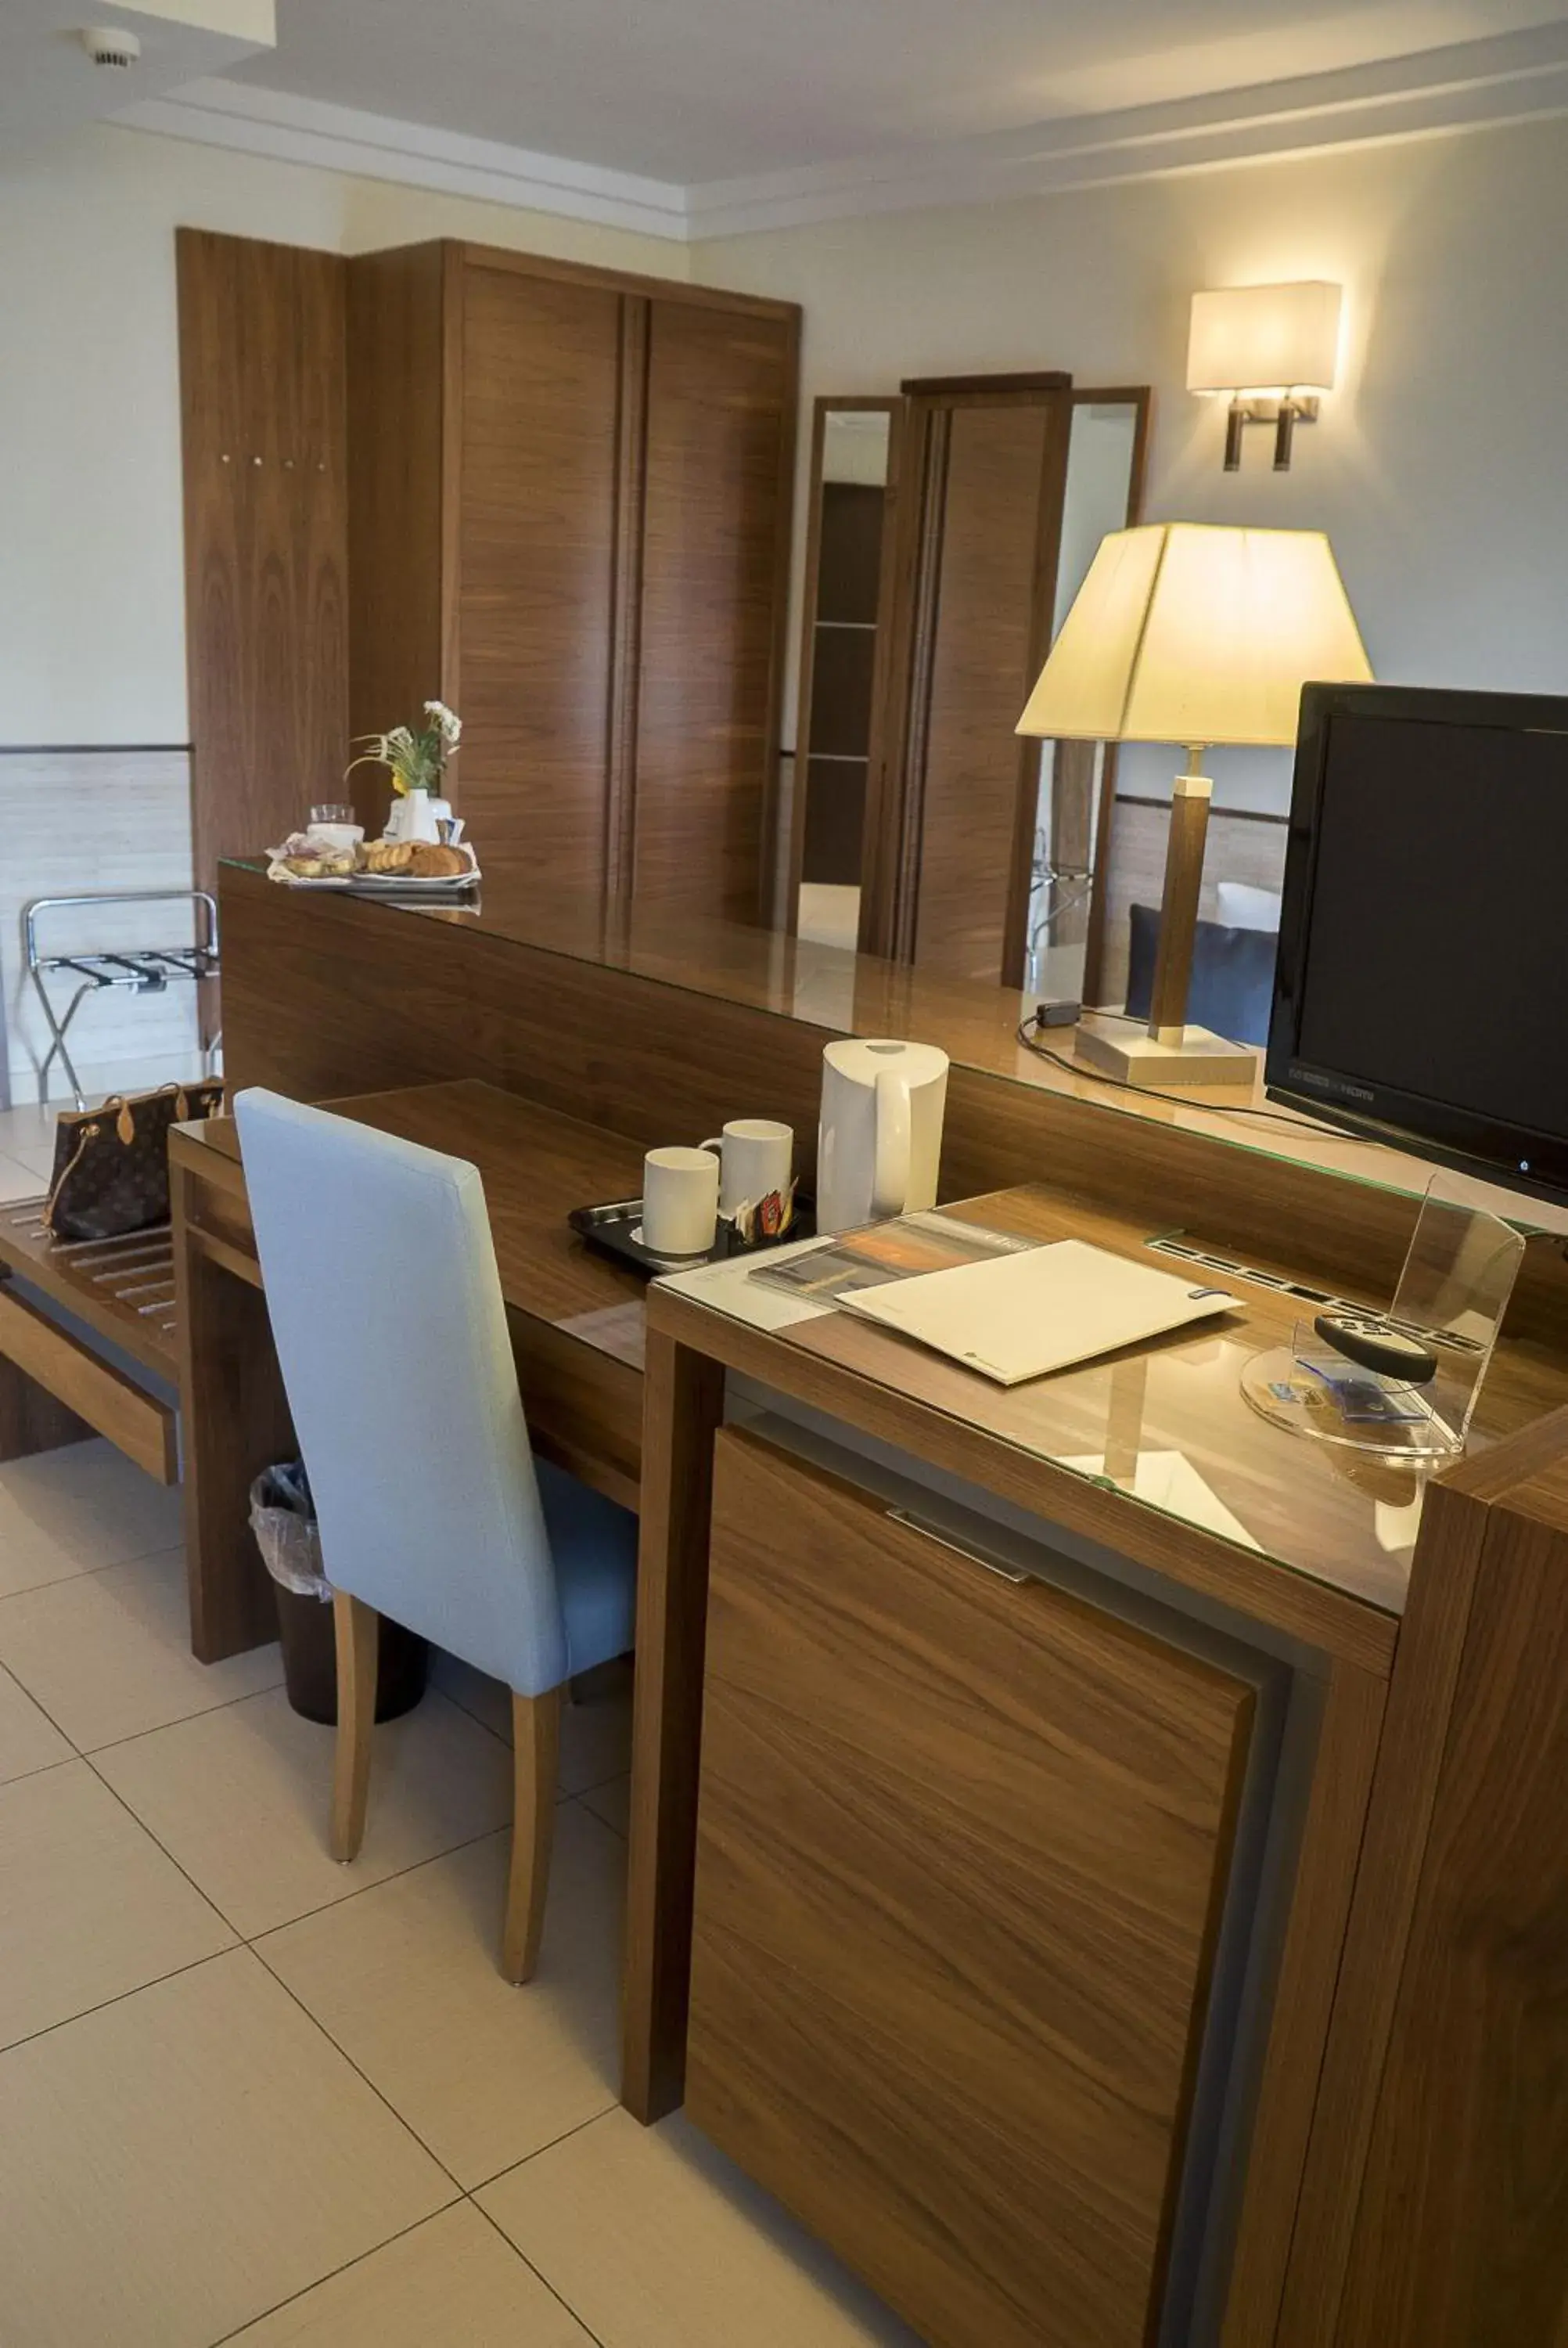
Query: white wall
92, 645
1439, 469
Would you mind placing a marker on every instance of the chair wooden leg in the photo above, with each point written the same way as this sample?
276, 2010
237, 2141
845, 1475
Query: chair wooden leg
357, 1627
536, 1746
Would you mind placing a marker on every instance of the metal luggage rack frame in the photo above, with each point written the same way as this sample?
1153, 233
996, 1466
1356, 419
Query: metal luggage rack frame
149, 970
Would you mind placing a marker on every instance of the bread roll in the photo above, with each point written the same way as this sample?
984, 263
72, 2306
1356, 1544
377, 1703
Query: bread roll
387, 855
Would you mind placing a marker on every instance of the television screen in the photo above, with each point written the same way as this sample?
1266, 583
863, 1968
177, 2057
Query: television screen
1422, 983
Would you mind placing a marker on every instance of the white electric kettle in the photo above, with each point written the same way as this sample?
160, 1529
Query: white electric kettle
879, 1144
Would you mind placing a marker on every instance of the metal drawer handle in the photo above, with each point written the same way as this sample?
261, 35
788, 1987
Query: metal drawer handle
944, 1540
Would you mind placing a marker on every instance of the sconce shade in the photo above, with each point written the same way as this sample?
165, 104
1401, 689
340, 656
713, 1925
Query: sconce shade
1182, 633
1265, 338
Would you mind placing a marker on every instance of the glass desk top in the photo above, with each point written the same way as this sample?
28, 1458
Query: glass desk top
1166, 1423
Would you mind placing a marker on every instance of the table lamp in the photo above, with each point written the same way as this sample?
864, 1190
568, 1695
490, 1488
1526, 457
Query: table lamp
1202, 636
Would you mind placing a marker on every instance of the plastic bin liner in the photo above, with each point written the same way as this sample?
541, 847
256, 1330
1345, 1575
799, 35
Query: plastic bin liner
287, 1534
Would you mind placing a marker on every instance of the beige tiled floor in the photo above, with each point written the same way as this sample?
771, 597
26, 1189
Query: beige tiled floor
249, 2096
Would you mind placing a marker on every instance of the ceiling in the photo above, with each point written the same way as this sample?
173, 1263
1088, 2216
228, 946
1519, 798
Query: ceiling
691, 91
48, 83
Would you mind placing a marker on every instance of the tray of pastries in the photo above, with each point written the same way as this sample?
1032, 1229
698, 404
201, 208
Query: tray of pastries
375, 866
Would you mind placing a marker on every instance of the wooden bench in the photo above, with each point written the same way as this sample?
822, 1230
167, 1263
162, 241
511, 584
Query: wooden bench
60, 1378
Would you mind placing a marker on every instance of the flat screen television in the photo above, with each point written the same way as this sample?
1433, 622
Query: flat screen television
1421, 989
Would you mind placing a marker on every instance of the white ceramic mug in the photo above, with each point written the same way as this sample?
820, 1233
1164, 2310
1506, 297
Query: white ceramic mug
680, 1201
757, 1157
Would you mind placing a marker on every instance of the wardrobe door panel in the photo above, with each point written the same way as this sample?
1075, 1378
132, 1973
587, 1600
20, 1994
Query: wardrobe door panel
984, 638
537, 553
718, 456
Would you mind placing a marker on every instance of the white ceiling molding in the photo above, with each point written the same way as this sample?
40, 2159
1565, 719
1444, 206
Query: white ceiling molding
1475, 83
292, 129
1511, 77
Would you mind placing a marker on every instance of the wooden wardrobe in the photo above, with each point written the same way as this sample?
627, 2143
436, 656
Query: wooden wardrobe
569, 518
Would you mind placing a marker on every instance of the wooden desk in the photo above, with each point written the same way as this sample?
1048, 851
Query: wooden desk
575, 1320
802, 1956
1413, 2002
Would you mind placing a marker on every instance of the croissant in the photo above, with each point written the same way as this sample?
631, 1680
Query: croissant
429, 862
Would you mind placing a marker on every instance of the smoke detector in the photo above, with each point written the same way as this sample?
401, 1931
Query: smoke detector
109, 45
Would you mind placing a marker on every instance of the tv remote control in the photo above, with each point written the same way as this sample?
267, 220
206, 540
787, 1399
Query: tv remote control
1373, 1344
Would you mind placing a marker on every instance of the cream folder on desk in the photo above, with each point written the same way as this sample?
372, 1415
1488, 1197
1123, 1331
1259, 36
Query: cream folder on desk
1021, 1316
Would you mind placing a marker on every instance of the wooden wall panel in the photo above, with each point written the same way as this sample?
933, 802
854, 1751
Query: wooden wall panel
1462, 2232
720, 453
263, 394
537, 534
401, 358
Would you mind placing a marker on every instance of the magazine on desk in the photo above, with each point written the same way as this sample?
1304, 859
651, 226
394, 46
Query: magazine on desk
880, 1252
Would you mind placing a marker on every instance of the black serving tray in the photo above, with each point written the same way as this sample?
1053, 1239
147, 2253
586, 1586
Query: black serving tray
609, 1229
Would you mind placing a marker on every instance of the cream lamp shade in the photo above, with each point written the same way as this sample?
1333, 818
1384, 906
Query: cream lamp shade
1265, 338
1187, 634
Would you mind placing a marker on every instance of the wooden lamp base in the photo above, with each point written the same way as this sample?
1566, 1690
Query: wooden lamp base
1170, 1052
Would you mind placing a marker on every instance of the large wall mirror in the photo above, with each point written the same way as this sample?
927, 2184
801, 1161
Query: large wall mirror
948, 531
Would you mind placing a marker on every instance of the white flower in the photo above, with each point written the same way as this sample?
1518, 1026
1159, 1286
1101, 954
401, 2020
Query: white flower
451, 725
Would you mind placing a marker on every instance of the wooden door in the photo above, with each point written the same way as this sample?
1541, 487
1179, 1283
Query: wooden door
261, 373
979, 565
538, 470
962, 1848
719, 458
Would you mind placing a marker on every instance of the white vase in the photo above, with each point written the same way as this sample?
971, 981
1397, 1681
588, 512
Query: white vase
416, 816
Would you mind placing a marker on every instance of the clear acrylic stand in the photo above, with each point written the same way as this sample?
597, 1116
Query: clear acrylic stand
1452, 1294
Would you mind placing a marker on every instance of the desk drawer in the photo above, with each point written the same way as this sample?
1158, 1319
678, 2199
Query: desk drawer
963, 1845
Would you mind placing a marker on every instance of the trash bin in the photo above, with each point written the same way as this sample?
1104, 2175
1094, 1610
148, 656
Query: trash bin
289, 1541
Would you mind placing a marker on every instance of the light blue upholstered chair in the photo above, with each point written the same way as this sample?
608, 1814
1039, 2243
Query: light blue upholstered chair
386, 1311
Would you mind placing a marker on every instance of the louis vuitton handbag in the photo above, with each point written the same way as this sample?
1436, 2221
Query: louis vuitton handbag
111, 1164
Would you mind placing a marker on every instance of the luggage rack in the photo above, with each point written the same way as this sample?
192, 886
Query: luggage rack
148, 969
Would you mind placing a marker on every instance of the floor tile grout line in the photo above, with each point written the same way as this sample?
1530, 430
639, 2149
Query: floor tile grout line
102, 2005
317, 2023
158, 1844
554, 2294
77, 1752
87, 1572
577, 2127
224, 1704
44, 1769
362, 1891
347, 2267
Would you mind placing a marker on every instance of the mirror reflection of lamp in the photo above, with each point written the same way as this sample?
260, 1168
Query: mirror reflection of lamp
1187, 633
1274, 348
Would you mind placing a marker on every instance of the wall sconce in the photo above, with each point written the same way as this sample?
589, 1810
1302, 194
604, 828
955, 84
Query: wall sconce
1274, 348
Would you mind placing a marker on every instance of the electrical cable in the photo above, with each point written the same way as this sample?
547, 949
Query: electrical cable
1179, 1101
